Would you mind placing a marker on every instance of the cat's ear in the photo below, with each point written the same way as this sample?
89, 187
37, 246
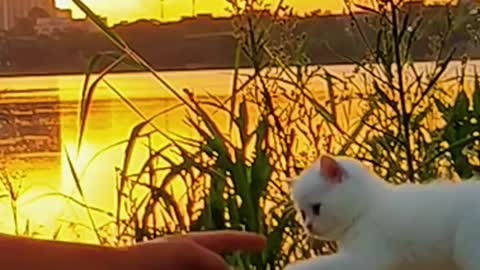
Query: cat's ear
331, 170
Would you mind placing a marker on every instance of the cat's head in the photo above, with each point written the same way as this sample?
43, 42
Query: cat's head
330, 194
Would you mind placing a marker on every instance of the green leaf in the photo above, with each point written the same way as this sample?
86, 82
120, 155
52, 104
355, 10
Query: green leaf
417, 119
234, 213
476, 97
460, 108
243, 122
276, 236
442, 108
217, 203
261, 168
248, 209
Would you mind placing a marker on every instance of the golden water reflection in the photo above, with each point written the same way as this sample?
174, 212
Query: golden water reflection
110, 121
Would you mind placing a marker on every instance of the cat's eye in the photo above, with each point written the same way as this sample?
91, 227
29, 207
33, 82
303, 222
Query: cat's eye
316, 208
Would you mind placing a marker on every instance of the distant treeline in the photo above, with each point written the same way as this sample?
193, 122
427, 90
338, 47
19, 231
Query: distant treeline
206, 42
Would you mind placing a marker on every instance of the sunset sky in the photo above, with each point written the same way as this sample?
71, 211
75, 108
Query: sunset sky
118, 10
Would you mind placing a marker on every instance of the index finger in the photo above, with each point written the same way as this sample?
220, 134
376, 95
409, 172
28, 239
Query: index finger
175, 254
222, 241
228, 241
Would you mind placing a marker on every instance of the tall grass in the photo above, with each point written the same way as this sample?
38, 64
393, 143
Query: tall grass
235, 174
406, 134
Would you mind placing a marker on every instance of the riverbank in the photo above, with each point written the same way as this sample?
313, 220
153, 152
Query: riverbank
65, 72
81, 71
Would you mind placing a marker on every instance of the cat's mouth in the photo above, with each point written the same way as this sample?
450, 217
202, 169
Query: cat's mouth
328, 233
333, 232
320, 234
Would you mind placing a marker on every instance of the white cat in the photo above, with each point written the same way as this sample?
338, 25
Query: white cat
379, 226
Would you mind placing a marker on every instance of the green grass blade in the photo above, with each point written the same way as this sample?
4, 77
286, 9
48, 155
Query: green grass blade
87, 97
82, 195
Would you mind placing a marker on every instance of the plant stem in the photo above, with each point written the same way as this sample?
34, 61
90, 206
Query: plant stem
405, 117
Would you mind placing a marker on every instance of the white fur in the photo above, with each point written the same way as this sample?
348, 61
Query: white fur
379, 226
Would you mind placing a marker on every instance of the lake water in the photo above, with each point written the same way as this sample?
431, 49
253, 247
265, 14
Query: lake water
32, 154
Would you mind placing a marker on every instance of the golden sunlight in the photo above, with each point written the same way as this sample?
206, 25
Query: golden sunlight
175, 9
61, 211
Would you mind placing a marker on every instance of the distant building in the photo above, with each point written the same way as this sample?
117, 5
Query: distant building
12, 10
86, 25
468, 2
63, 13
53, 25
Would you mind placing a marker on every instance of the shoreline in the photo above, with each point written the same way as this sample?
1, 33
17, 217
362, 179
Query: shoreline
39, 73
15, 74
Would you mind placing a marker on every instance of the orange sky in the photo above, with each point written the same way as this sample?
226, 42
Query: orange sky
118, 10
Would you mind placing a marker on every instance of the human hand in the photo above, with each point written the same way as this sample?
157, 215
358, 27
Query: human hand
194, 251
